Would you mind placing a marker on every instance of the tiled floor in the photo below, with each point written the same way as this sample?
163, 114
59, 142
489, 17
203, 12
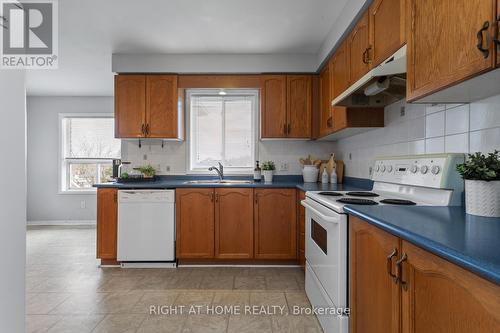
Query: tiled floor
68, 292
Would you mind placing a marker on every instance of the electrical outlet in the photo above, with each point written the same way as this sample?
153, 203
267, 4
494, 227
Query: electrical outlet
167, 168
370, 171
402, 111
350, 156
145, 157
283, 166
83, 204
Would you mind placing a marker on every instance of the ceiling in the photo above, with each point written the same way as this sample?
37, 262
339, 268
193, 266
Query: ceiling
91, 31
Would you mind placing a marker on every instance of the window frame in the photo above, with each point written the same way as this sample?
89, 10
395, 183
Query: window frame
62, 162
254, 93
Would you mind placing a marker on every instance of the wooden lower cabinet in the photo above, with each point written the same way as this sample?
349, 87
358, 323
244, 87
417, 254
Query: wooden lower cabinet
195, 223
301, 226
442, 297
431, 294
275, 224
234, 223
107, 223
374, 296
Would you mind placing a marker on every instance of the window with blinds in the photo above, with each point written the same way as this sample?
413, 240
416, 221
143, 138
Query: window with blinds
88, 147
222, 129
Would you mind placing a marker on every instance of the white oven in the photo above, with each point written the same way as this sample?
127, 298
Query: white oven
326, 262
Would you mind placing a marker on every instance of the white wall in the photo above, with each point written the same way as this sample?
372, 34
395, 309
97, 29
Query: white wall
44, 202
424, 129
173, 154
13, 200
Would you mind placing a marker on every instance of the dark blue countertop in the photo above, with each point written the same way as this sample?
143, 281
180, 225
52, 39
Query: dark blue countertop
292, 181
471, 242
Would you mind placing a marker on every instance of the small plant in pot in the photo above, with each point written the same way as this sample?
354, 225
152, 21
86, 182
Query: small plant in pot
268, 168
148, 171
482, 184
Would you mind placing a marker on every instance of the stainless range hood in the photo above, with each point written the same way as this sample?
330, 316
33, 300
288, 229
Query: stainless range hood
383, 85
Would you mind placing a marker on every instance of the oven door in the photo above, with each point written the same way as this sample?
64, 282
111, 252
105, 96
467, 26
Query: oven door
326, 249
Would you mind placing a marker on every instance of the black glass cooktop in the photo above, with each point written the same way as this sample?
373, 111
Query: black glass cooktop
362, 194
331, 194
398, 202
357, 201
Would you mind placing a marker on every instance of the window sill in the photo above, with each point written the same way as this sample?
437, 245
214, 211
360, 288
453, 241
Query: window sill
92, 191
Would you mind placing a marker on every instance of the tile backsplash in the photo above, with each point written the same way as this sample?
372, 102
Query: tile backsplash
420, 128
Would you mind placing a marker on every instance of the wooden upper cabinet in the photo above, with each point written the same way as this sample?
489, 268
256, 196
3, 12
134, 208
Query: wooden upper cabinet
299, 106
275, 224
325, 114
130, 106
107, 223
498, 33
161, 106
195, 223
374, 295
442, 43
358, 50
442, 297
339, 71
273, 106
234, 223
387, 28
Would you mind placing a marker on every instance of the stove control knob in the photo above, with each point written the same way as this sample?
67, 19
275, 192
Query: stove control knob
389, 168
382, 168
435, 170
424, 169
377, 168
414, 169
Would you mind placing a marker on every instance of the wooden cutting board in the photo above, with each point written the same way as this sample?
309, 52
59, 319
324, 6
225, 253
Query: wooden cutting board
339, 165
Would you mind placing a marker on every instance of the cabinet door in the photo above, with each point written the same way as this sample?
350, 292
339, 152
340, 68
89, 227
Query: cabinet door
161, 106
498, 33
234, 223
358, 50
299, 105
195, 223
442, 43
130, 106
275, 224
339, 71
273, 106
374, 295
325, 119
442, 297
387, 29
107, 222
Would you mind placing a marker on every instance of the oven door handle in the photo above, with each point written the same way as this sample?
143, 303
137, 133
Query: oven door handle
317, 212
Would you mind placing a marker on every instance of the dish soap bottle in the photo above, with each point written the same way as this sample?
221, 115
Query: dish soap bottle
324, 177
333, 176
257, 173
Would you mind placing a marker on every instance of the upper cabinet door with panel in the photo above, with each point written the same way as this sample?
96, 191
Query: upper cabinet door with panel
339, 70
325, 118
497, 37
161, 107
130, 106
273, 106
359, 50
299, 105
444, 40
387, 28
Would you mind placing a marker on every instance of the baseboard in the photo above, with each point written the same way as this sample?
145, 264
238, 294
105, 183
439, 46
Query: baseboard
63, 222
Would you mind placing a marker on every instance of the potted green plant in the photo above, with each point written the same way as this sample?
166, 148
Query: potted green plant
268, 168
148, 171
482, 184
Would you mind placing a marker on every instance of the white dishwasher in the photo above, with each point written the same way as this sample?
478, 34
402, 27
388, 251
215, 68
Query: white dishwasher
146, 225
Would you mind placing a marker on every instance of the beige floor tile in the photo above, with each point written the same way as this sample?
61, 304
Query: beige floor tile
205, 324
282, 282
232, 298
162, 324
189, 299
225, 282
153, 282
40, 323
80, 303
270, 299
297, 299
120, 283
182, 281
43, 303
250, 282
119, 302
120, 323
295, 324
79, 323
158, 298
249, 324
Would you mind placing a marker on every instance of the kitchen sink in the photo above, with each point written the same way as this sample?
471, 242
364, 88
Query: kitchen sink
216, 181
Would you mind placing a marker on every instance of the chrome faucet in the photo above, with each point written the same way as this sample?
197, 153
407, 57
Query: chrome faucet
220, 171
